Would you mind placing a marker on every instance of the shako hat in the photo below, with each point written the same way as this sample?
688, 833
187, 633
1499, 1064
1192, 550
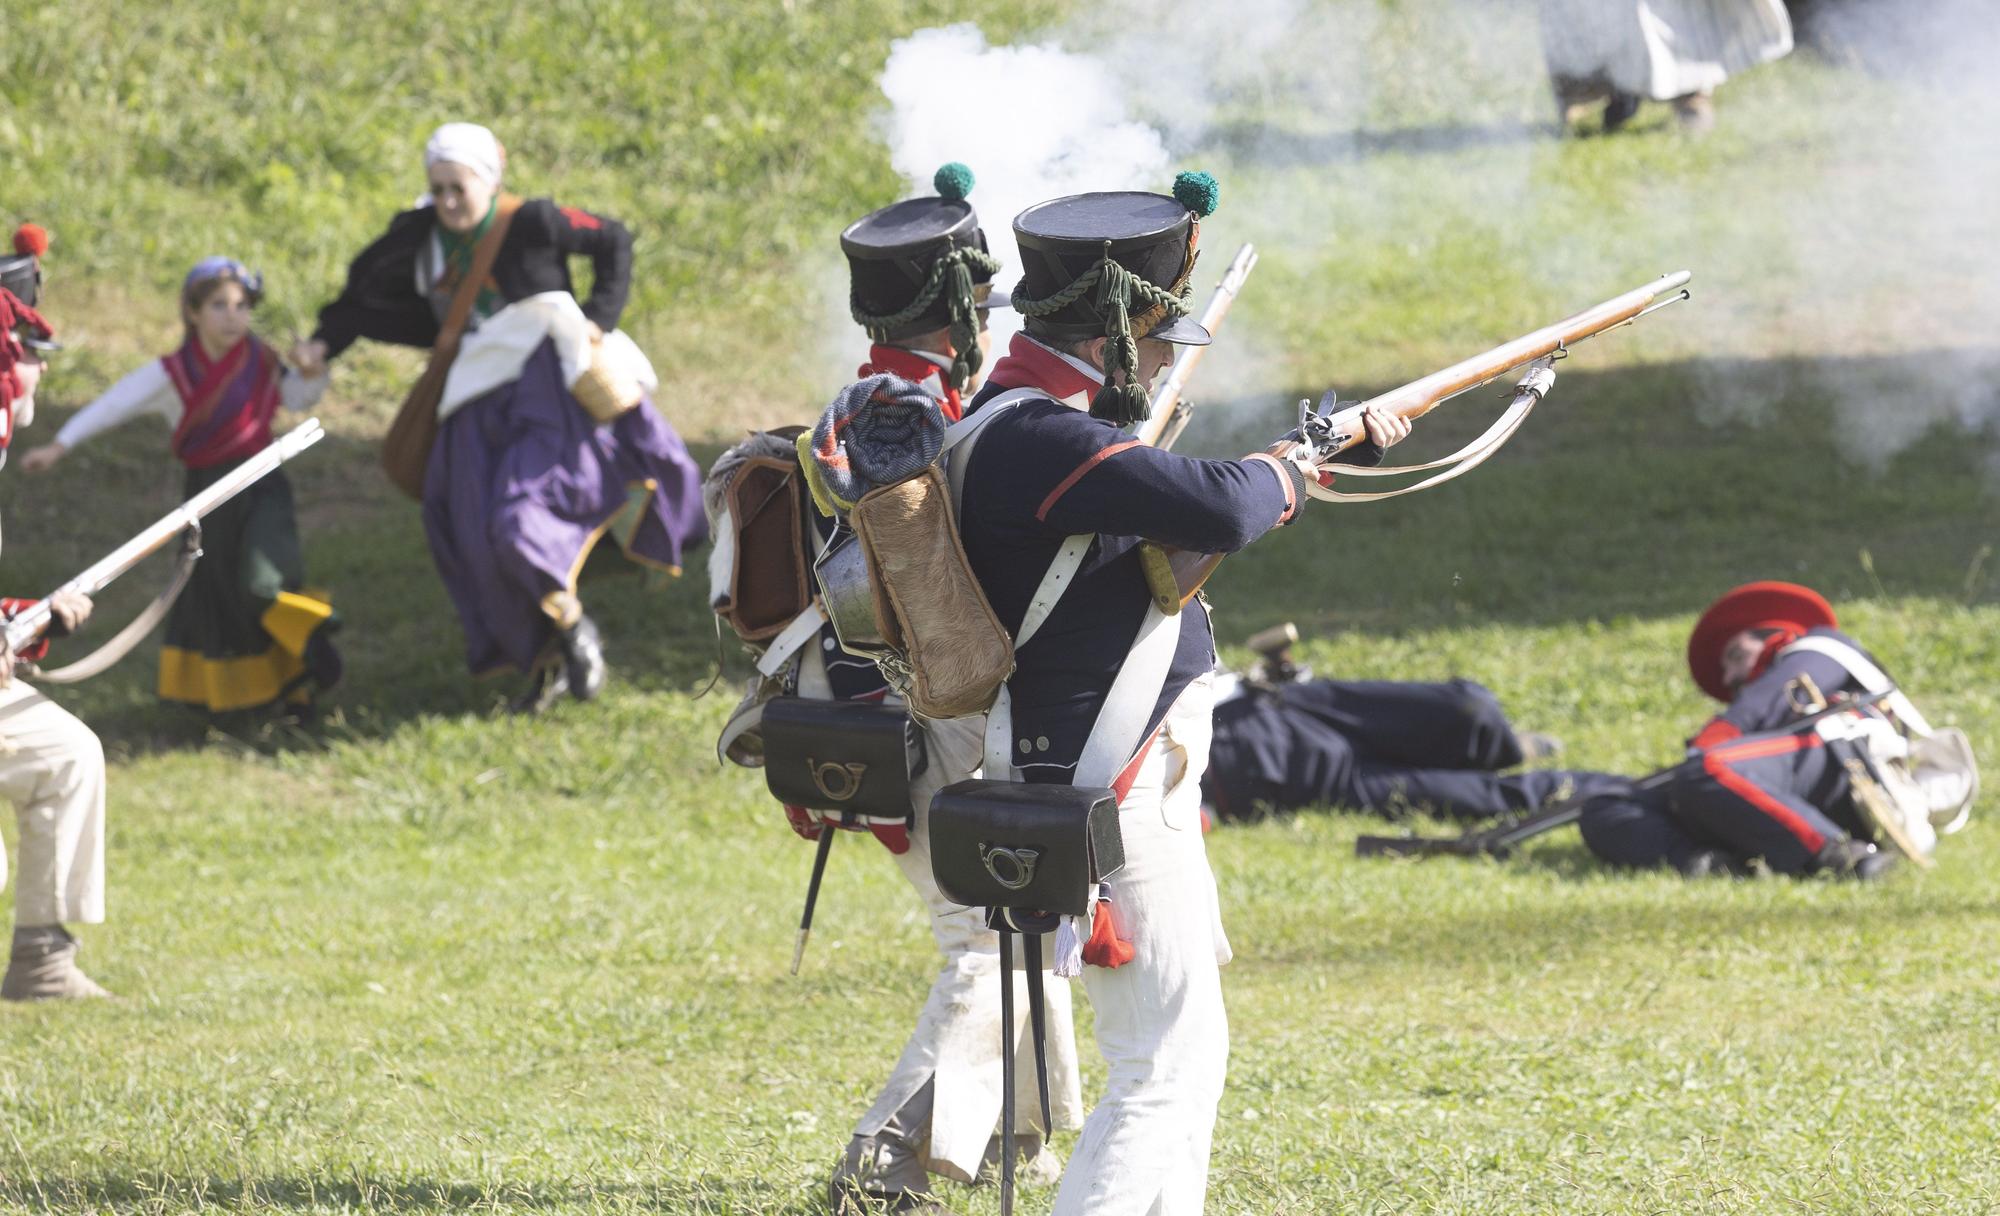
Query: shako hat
921, 265
1115, 265
1761, 605
21, 274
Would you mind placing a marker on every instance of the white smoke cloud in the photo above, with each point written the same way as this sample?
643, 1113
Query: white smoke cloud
1327, 121
1033, 123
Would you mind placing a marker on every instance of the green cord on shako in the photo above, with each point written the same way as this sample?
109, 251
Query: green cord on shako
1115, 265
921, 265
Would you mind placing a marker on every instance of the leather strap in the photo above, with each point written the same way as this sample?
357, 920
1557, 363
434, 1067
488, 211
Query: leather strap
1530, 393
1056, 580
1871, 678
1006, 1073
1038, 1022
959, 438
1128, 708
455, 317
121, 643
804, 627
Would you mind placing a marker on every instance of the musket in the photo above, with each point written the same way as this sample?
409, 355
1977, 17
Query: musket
1169, 413
1334, 432
1500, 841
28, 624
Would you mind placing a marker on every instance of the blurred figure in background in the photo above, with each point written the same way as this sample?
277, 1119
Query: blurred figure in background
1284, 741
245, 632
532, 435
1623, 52
51, 765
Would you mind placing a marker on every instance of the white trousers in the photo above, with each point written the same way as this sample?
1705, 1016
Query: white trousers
52, 770
956, 1044
1160, 1020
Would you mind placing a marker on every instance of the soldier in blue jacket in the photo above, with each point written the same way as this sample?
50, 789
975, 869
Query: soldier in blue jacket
1383, 746
1754, 788
1064, 516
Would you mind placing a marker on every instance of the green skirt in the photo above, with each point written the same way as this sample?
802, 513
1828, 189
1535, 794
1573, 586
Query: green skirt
237, 636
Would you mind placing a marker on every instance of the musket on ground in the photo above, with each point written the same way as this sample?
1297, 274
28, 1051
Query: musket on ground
1330, 433
1500, 841
1169, 412
183, 521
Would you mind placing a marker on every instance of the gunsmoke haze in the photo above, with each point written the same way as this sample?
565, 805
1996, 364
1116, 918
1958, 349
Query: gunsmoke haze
1844, 207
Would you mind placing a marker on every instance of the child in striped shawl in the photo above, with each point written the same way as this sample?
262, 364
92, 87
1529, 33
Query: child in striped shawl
245, 633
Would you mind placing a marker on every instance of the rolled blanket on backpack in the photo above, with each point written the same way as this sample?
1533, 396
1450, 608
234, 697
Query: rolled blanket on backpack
877, 432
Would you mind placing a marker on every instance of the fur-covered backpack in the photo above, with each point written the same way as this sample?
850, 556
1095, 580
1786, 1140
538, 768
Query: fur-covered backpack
895, 580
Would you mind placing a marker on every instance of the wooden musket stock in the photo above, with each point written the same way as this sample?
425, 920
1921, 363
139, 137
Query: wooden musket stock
1420, 397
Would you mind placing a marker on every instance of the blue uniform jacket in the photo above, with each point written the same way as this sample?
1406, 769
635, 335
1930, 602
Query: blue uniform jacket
1045, 471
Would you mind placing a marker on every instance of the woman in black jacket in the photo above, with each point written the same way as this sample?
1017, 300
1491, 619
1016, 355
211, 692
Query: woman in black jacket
522, 481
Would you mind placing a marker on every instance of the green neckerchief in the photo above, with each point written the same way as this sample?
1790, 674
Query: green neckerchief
458, 249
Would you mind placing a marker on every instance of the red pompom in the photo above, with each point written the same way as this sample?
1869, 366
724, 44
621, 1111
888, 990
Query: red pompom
31, 239
1105, 948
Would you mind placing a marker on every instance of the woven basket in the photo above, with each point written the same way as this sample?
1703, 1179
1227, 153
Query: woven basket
604, 391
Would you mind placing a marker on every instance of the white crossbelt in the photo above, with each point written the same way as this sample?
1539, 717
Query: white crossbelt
1871, 678
1128, 705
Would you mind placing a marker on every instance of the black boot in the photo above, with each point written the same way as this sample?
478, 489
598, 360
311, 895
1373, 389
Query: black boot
1856, 859
583, 658
323, 662
1621, 109
546, 683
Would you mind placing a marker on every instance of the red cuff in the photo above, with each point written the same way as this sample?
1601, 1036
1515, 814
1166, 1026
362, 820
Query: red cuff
36, 650
1717, 732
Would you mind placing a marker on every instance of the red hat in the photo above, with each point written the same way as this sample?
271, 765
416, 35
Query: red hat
1764, 605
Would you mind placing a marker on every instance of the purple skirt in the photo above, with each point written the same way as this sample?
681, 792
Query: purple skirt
521, 485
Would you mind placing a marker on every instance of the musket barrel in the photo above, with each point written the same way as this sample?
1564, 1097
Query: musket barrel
1418, 397
30, 622
1168, 395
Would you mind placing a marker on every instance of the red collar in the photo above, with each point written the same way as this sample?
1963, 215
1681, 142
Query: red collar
915, 367
1029, 364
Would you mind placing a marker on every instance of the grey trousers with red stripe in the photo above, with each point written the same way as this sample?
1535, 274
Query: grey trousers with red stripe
1778, 799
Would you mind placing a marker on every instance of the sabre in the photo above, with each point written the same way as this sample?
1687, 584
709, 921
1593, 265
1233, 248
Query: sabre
826, 832
1169, 412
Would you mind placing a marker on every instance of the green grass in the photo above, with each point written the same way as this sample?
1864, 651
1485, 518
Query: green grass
434, 958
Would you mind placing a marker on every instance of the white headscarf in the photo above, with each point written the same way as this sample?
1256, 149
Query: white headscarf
468, 144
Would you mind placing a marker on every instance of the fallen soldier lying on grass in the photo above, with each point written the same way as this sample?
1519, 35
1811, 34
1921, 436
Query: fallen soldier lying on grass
1284, 741
1819, 764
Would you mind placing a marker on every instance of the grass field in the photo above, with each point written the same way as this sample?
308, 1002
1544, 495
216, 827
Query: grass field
434, 958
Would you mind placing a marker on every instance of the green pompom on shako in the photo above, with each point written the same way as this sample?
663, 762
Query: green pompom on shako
1198, 192
952, 180
1116, 266
922, 265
